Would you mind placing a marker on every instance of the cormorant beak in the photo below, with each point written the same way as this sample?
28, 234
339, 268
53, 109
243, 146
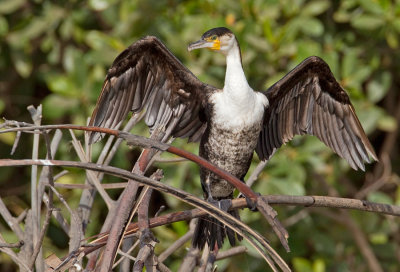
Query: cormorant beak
203, 44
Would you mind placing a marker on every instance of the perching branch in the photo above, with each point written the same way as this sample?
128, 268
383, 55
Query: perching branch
311, 201
150, 143
224, 217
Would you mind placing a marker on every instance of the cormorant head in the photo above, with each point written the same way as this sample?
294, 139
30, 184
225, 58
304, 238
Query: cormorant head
219, 39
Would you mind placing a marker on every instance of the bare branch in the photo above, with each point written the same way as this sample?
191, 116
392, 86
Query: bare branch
13, 256
92, 176
177, 244
126, 254
10, 220
49, 172
12, 245
38, 245
231, 252
227, 219
307, 201
36, 115
256, 172
190, 261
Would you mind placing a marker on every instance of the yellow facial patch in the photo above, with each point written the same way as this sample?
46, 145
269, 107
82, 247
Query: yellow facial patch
216, 45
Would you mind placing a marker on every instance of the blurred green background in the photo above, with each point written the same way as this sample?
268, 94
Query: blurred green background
57, 53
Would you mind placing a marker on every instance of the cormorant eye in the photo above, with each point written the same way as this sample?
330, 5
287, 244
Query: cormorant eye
214, 37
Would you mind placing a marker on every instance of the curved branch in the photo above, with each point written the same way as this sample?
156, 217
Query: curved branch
306, 201
222, 216
144, 142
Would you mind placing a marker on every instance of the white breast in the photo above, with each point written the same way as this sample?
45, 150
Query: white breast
238, 110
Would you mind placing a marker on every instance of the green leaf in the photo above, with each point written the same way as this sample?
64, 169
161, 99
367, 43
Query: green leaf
61, 84
367, 22
98, 5
302, 265
56, 106
372, 6
396, 24
311, 26
315, 8
349, 63
319, 265
378, 238
387, 123
380, 197
3, 26
378, 88
369, 118
10, 6
392, 39
2, 106
8, 138
342, 16
23, 65
180, 227
397, 201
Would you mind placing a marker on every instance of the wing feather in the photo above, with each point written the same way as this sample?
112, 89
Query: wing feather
147, 76
309, 100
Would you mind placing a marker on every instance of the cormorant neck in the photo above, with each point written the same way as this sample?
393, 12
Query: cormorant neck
235, 79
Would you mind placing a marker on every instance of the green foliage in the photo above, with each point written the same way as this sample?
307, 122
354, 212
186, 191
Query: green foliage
57, 53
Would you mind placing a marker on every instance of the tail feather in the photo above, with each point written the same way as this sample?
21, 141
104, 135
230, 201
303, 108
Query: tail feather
212, 231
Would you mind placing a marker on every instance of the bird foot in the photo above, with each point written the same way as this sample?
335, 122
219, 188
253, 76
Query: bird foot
251, 204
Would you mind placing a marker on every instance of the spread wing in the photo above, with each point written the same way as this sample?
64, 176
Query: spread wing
147, 76
309, 100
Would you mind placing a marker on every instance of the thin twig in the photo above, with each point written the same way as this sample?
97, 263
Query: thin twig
106, 186
22, 216
21, 263
57, 215
16, 141
190, 261
256, 172
231, 252
92, 176
18, 244
126, 254
36, 115
174, 247
148, 241
38, 245
10, 220
172, 160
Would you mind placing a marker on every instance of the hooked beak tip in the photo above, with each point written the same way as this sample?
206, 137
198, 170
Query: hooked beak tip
197, 45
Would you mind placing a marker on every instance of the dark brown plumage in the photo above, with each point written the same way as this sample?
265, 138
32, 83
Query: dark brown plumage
233, 121
148, 76
309, 100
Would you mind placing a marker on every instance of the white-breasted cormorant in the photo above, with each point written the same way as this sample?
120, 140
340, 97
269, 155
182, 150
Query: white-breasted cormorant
233, 121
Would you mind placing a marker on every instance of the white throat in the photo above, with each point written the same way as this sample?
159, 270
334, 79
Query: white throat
235, 79
237, 106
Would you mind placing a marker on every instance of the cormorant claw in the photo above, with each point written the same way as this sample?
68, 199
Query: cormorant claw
252, 204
